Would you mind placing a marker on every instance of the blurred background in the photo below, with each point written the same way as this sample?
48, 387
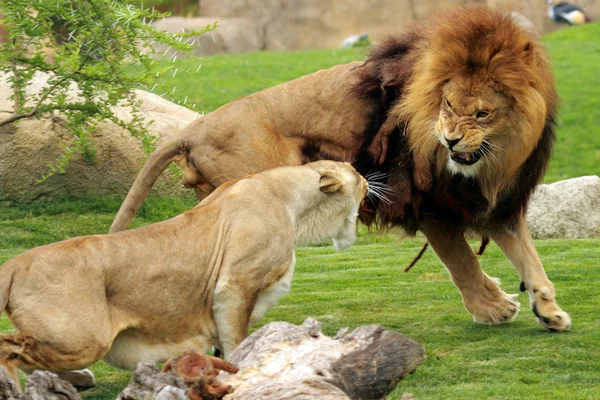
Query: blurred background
254, 25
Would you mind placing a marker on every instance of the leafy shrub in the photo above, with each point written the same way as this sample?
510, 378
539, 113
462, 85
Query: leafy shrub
89, 43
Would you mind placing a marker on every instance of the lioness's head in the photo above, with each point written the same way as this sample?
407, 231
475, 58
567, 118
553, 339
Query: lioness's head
333, 211
479, 98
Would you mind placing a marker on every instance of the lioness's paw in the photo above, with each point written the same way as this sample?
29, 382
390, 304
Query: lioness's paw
490, 305
82, 378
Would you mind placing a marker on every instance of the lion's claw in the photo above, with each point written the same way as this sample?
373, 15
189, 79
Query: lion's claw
556, 321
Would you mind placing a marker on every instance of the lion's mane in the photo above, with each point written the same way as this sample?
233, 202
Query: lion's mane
405, 82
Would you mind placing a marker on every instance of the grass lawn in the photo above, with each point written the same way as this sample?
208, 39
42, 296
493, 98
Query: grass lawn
365, 285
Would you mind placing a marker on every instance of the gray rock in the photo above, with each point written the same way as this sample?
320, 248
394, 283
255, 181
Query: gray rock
303, 24
233, 35
27, 147
568, 209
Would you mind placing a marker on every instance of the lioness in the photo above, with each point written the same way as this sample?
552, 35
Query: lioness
457, 118
179, 285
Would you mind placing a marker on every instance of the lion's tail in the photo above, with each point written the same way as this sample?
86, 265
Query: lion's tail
153, 168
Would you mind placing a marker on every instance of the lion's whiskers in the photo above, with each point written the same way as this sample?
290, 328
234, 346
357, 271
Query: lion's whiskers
376, 175
487, 154
373, 194
493, 146
378, 190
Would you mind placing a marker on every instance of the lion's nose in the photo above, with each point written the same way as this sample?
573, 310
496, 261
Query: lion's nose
451, 142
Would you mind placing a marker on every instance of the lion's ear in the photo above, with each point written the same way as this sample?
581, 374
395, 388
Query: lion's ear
528, 53
330, 182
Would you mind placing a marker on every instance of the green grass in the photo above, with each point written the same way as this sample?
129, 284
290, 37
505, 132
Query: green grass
575, 58
365, 285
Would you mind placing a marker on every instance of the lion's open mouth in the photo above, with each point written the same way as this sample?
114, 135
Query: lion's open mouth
466, 158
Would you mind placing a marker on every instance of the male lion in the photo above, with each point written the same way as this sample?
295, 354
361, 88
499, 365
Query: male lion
202, 277
458, 115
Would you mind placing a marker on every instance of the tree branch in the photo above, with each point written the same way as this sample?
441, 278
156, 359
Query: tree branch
51, 107
47, 92
16, 117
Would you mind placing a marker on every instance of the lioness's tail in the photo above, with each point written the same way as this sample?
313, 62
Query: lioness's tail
156, 164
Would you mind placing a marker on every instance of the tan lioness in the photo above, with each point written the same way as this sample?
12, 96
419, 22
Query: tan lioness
180, 285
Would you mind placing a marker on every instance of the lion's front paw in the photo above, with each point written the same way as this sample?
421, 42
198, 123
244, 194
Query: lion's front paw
549, 314
488, 304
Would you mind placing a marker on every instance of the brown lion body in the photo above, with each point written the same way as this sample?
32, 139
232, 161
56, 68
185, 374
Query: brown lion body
473, 79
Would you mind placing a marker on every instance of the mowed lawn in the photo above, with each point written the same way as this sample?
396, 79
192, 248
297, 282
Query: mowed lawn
365, 284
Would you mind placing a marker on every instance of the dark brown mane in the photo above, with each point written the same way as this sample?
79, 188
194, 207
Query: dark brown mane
450, 198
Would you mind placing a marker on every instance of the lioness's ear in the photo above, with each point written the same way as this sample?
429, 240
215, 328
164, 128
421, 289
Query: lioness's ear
330, 182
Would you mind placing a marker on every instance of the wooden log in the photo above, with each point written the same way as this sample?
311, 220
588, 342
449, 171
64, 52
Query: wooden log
285, 361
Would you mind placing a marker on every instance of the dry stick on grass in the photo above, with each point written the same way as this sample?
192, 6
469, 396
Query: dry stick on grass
417, 258
485, 240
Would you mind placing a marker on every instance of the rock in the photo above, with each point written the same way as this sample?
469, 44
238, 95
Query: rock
148, 383
301, 24
40, 385
233, 35
568, 209
523, 21
27, 147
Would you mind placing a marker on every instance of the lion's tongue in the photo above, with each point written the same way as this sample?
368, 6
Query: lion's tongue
464, 156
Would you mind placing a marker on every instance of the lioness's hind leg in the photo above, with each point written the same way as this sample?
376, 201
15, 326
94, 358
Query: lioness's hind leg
520, 250
481, 294
25, 352
231, 311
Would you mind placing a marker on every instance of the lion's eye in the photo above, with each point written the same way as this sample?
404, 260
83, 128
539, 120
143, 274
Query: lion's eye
481, 114
447, 103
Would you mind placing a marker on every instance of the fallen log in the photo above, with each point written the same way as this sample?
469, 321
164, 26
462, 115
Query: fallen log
284, 361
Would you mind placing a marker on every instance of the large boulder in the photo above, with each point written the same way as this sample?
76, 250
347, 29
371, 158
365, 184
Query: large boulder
301, 24
568, 209
233, 35
29, 146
